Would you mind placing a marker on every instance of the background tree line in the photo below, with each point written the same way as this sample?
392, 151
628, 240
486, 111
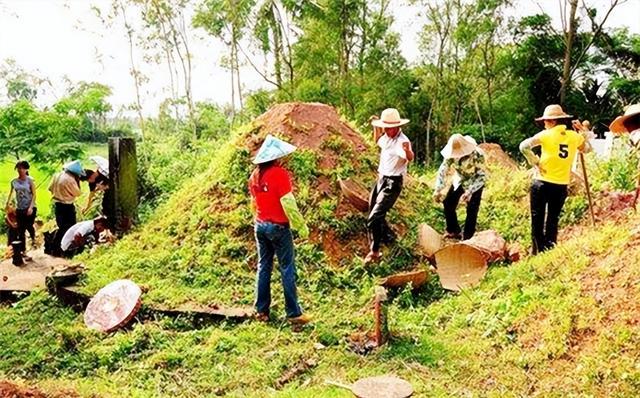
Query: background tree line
479, 71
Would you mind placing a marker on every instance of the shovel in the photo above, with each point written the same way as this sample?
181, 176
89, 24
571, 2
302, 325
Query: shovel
585, 126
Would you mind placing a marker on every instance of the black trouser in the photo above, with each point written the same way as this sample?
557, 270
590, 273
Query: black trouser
383, 196
25, 224
547, 200
65, 219
473, 206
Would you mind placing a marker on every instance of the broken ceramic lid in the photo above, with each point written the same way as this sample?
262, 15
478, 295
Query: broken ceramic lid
355, 194
113, 306
387, 386
429, 239
460, 266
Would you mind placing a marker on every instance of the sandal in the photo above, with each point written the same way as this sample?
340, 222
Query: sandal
261, 317
372, 258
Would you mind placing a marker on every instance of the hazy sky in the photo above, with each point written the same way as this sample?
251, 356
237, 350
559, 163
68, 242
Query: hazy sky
58, 38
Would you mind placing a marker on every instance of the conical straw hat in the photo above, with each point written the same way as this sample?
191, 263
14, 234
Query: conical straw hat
273, 148
460, 266
458, 146
429, 239
617, 126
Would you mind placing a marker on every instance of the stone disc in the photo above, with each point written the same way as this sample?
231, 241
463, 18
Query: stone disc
113, 306
387, 386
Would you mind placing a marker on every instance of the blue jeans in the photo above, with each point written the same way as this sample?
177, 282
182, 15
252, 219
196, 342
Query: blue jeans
274, 239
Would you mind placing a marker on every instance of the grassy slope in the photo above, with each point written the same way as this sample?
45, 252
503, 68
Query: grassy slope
529, 328
522, 331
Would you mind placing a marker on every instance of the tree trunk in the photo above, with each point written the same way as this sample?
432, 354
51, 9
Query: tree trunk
134, 70
569, 38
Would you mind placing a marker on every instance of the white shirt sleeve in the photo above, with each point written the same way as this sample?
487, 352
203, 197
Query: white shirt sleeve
398, 150
382, 141
83, 228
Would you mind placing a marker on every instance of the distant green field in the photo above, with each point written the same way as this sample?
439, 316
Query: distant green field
43, 196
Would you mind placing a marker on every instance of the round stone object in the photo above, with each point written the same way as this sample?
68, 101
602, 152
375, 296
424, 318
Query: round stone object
113, 306
387, 386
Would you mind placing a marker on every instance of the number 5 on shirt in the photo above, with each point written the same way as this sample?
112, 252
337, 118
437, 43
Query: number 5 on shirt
564, 151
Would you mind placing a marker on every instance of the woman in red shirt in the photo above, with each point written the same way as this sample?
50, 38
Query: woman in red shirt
275, 212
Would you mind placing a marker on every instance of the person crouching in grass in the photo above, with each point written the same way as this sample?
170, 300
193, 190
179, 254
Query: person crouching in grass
82, 234
276, 212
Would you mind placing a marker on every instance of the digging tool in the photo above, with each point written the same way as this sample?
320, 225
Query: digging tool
635, 198
586, 185
585, 127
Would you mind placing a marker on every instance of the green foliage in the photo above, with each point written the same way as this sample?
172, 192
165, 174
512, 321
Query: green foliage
88, 102
44, 137
619, 172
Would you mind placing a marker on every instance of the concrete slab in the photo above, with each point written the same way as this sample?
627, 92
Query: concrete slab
32, 275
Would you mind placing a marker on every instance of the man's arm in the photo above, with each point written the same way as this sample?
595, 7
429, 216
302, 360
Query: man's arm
92, 195
584, 129
440, 178
377, 131
526, 147
32, 186
406, 146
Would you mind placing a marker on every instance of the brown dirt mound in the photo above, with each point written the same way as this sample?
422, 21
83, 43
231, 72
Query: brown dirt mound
496, 157
314, 126
613, 205
319, 128
11, 390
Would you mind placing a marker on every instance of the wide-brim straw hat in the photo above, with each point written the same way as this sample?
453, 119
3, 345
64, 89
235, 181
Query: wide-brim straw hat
273, 148
617, 126
458, 146
389, 117
102, 163
553, 112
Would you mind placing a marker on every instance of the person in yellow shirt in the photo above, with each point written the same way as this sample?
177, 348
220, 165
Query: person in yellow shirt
558, 149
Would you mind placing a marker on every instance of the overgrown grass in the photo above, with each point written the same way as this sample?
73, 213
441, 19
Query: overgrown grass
511, 336
514, 335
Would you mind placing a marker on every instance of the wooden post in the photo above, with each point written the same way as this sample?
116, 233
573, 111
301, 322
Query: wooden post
381, 329
586, 184
122, 202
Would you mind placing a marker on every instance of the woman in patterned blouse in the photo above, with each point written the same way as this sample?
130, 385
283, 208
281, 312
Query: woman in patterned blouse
462, 155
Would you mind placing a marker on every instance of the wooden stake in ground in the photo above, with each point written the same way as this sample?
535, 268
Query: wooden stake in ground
635, 198
586, 185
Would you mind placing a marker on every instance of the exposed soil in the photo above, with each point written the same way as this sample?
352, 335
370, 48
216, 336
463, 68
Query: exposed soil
11, 390
495, 156
613, 205
309, 126
607, 206
319, 128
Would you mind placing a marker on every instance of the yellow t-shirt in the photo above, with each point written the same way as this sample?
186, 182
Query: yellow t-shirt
559, 149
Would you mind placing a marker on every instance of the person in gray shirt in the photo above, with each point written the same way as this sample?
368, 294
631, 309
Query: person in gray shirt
24, 188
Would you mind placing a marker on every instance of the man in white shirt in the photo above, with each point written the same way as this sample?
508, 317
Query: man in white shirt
76, 237
395, 155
